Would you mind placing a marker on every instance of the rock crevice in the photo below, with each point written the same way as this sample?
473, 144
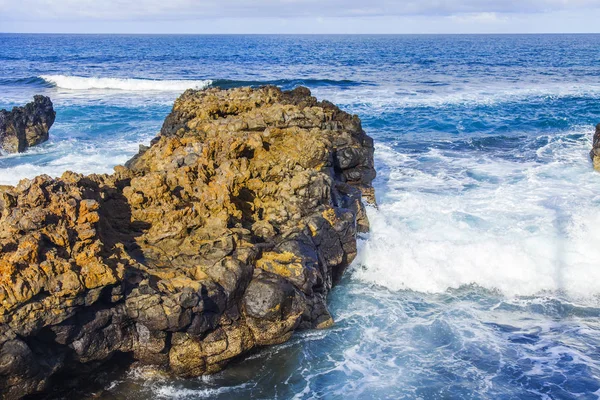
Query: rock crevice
225, 234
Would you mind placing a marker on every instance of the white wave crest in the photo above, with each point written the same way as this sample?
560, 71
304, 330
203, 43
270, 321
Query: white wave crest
127, 84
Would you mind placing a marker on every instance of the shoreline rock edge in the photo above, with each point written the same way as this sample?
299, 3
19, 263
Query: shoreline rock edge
26, 126
595, 153
224, 235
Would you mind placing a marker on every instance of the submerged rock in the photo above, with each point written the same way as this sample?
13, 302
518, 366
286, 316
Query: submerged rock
227, 233
595, 153
26, 126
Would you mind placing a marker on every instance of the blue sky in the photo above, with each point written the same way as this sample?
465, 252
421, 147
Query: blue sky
300, 16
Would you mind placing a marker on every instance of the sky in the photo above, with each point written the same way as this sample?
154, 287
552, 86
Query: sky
300, 16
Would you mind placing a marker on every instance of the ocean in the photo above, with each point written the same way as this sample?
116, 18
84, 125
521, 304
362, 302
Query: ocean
480, 278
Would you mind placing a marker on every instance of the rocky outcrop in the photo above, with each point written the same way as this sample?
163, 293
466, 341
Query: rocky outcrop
227, 233
595, 153
27, 126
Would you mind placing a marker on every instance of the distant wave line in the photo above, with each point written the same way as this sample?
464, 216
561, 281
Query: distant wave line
73, 82
127, 84
287, 83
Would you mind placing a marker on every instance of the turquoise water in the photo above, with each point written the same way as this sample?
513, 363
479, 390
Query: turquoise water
480, 278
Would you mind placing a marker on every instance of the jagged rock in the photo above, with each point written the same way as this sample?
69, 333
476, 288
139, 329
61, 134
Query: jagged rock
595, 153
225, 234
26, 126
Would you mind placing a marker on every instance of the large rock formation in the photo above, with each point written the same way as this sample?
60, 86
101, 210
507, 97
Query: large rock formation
27, 126
595, 153
227, 233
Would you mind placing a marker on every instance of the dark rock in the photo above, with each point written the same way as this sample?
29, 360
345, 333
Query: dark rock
26, 126
595, 153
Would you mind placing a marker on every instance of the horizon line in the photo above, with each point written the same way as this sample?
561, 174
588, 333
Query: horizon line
303, 34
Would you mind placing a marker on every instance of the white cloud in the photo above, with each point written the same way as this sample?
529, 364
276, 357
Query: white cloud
481, 17
190, 9
299, 16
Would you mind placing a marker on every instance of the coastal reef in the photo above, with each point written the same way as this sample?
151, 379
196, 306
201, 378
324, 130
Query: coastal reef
27, 126
225, 234
595, 153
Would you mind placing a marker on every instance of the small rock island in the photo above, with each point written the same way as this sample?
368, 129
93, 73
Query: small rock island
225, 234
27, 126
595, 153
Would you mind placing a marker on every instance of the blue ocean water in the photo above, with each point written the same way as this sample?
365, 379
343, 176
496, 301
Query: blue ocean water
481, 276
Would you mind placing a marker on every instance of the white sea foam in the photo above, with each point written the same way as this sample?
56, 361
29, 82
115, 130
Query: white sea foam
67, 155
173, 392
127, 84
380, 98
449, 219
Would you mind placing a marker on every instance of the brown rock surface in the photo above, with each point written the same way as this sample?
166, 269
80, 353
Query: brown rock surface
225, 234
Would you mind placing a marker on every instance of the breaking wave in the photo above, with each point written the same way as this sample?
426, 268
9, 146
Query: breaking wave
128, 84
459, 215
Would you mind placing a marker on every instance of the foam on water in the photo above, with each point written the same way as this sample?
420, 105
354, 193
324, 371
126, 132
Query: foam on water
393, 97
77, 153
467, 343
450, 218
172, 392
86, 160
127, 84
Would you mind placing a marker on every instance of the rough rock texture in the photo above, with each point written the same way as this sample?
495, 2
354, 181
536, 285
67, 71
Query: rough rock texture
595, 153
27, 126
225, 234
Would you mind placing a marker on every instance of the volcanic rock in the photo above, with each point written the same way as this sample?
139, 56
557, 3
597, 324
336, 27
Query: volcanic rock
26, 126
227, 233
595, 153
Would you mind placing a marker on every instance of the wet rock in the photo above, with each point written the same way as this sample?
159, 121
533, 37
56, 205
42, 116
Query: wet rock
227, 233
26, 126
595, 153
